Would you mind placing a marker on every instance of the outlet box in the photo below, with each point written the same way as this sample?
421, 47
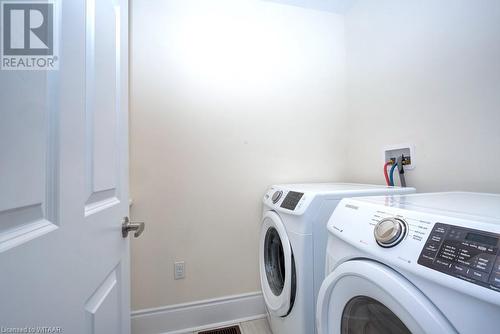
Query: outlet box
179, 270
391, 152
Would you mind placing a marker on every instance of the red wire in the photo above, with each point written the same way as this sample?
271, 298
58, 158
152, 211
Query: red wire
388, 163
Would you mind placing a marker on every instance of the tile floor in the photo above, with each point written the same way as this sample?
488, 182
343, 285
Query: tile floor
259, 326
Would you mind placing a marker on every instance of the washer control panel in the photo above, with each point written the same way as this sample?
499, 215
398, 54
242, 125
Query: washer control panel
468, 254
288, 201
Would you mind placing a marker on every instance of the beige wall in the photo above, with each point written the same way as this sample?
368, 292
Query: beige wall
227, 97
428, 73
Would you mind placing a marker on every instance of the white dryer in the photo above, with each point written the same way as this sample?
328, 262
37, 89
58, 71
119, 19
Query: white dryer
422, 263
292, 248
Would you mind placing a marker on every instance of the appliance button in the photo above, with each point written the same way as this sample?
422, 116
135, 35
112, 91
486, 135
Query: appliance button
447, 256
484, 262
486, 258
428, 255
439, 229
448, 252
464, 257
464, 252
478, 275
459, 269
432, 247
450, 247
436, 238
464, 262
442, 265
492, 250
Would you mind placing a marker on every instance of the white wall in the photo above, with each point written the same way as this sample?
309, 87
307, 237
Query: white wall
227, 97
428, 73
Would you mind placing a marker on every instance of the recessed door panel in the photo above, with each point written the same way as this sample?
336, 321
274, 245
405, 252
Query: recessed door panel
28, 165
104, 306
102, 104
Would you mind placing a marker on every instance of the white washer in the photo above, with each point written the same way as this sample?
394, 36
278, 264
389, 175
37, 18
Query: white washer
422, 263
292, 248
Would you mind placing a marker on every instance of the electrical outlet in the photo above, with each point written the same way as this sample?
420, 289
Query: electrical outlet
392, 152
179, 270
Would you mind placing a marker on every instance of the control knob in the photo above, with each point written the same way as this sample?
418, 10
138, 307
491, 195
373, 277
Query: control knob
276, 196
389, 232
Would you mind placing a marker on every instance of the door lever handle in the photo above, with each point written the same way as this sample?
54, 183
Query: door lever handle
127, 226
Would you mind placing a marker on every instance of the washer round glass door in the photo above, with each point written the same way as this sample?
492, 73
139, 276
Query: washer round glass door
366, 297
276, 265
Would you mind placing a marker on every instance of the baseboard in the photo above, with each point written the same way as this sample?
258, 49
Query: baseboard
199, 315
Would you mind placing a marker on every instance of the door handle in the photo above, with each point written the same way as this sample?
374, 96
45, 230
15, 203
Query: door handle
127, 226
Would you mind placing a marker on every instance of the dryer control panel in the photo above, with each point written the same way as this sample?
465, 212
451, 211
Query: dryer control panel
468, 254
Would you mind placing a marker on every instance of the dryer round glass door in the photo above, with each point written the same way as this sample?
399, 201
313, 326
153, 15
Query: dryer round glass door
366, 297
277, 268
274, 261
366, 315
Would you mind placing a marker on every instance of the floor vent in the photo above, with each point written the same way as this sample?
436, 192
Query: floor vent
225, 330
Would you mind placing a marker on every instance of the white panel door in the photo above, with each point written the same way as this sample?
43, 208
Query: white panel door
64, 179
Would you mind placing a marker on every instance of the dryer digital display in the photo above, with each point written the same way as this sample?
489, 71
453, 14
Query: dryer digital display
291, 200
465, 253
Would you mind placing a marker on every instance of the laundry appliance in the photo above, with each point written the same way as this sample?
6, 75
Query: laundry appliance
421, 263
292, 248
